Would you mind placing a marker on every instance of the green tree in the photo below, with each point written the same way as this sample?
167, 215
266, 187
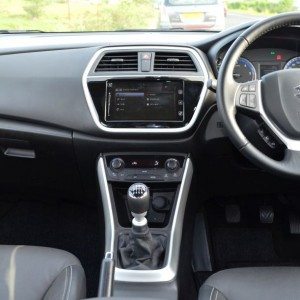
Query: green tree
34, 8
263, 6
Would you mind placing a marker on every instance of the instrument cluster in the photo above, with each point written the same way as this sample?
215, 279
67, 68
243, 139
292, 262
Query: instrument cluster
255, 63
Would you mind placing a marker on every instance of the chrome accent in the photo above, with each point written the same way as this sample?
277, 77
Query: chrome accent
172, 59
138, 190
117, 60
109, 255
90, 75
139, 219
169, 272
107, 207
214, 84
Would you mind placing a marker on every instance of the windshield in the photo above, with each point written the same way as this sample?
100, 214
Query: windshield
112, 15
191, 2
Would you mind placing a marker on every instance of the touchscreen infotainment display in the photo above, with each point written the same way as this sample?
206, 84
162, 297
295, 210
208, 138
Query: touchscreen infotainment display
144, 101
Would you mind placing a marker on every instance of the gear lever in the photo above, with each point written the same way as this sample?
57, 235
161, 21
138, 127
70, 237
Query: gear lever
140, 249
138, 197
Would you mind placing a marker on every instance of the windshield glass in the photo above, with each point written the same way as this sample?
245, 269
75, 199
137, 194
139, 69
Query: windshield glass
191, 2
111, 15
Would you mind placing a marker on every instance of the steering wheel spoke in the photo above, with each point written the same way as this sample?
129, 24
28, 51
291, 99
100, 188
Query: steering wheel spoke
248, 97
291, 162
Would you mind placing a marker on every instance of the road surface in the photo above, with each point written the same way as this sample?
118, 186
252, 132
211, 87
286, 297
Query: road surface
234, 19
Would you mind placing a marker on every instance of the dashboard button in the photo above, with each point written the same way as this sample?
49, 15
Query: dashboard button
146, 65
160, 203
172, 164
117, 164
146, 55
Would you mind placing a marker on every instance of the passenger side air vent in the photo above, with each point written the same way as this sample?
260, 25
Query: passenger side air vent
125, 61
173, 61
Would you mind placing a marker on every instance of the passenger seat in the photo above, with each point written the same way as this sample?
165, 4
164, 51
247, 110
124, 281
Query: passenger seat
39, 273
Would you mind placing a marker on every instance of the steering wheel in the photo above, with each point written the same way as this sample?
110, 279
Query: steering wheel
275, 99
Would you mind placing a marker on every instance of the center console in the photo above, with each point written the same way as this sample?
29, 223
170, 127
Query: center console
167, 193
153, 90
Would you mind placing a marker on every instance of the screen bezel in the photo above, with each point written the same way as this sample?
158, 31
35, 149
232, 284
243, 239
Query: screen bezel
144, 121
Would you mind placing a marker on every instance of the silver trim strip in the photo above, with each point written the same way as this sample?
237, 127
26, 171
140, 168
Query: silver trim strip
90, 75
169, 272
107, 207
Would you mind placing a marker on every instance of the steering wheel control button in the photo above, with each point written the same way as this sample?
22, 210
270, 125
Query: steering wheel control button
252, 88
267, 138
251, 101
245, 88
243, 99
117, 164
247, 96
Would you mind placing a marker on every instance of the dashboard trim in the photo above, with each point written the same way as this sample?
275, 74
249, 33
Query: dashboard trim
89, 75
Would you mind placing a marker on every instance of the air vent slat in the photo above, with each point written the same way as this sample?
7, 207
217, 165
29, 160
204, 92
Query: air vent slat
110, 64
178, 64
173, 61
120, 61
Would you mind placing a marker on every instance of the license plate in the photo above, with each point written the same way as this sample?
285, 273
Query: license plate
193, 16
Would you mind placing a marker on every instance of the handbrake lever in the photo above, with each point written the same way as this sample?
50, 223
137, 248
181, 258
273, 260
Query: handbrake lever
107, 276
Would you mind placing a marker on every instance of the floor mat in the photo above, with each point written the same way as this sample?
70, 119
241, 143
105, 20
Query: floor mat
251, 243
243, 246
60, 224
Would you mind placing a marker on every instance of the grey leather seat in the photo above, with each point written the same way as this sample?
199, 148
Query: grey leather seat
30, 273
266, 283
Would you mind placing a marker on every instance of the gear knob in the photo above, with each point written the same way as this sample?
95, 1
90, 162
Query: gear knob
138, 197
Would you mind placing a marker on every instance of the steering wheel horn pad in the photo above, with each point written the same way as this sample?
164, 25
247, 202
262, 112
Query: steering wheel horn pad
281, 100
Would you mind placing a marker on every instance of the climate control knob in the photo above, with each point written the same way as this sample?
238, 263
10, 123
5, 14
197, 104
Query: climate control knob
172, 165
117, 164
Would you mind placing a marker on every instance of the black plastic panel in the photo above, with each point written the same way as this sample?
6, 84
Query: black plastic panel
145, 167
46, 87
53, 165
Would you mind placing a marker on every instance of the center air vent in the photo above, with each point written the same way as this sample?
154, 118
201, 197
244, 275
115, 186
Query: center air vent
116, 61
173, 61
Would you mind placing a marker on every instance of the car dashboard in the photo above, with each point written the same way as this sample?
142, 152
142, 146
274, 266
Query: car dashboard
73, 88
89, 114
